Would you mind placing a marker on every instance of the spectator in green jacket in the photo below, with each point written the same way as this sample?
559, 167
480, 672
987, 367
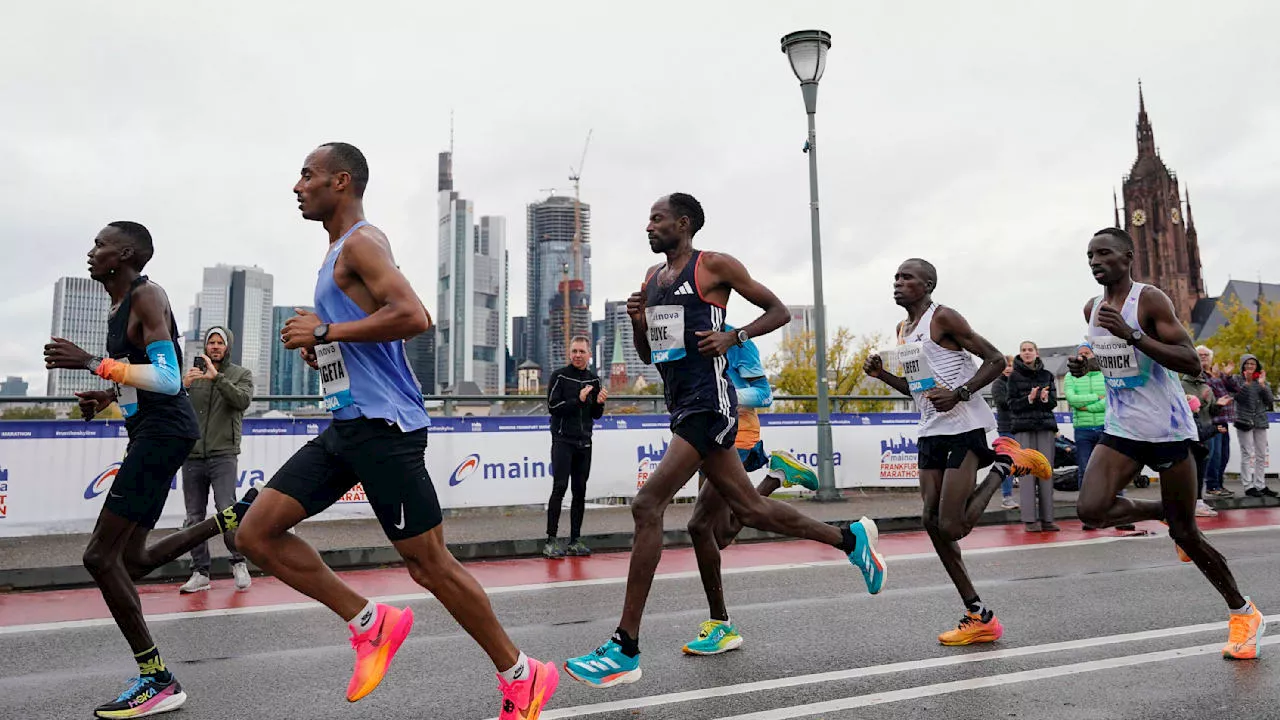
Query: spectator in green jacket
220, 393
1087, 397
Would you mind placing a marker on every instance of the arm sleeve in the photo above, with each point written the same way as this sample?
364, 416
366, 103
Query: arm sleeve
756, 393
161, 376
238, 393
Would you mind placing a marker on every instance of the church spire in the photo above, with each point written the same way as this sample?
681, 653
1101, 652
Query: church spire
1191, 224
1115, 206
1146, 139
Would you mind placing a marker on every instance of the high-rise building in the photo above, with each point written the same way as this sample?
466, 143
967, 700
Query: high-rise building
80, 307
421, 352
239, 298
471, 333
290, 374
617, 326
802, 321
519, 338
579, 314
13, 386
549, 252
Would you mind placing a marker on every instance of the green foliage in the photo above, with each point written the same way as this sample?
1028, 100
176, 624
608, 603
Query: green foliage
795, 368
1243, 333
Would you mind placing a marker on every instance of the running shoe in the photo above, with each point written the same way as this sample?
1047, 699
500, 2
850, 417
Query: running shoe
524, 699
1246, 630
577, 549
715, 637
793, 471
1024, 461
864, 555
604, 667
1181, 555
240, 572
552, 550
375, 648
145, 696
972, 630
1009, 504
199, 581
1203, 509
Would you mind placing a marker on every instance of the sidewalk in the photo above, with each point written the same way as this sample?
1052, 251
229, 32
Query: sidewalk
53, 561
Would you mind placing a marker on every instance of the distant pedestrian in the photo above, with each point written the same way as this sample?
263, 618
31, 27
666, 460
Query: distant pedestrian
1220, 445
575, 399
1253, 401
1087, 397
1032, 398
1203, 408
1004, 426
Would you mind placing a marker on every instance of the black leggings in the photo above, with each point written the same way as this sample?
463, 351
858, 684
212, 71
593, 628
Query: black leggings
566, 461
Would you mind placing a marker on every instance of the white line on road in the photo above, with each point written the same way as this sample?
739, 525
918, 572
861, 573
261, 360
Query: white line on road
855, 673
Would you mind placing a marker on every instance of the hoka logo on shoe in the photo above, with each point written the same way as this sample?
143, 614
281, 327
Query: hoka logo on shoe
142, 697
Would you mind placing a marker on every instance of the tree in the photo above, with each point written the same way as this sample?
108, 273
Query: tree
1243, 333
31, 412
795, 371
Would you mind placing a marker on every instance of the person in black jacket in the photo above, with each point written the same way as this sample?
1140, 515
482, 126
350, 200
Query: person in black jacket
1032, 397
1004, 426
575, 398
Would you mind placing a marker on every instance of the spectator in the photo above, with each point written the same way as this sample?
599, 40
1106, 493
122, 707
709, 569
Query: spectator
1004, 426
1087, 396
1219, 445
220, 391
1253, 401
575, 398
1203, 407
1032, 398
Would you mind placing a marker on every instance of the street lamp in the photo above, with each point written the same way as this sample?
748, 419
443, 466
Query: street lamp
807, 51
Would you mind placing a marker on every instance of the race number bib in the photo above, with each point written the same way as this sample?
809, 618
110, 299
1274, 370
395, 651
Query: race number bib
666, 332
335, 383
127, 396
916, 368
1118, 361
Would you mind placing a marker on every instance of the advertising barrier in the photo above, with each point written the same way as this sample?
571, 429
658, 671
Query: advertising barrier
54, 475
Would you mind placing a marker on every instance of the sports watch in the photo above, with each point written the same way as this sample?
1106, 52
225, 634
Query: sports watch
1136, 336
964, 393
321, 333
743, 337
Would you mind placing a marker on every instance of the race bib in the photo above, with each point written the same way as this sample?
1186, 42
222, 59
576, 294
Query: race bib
916, 368
1118, 361
335, 383
666, 332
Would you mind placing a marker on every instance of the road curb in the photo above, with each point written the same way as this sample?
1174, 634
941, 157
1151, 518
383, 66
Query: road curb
64, 577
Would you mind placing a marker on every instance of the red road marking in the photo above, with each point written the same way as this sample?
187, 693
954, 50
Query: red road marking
87, 604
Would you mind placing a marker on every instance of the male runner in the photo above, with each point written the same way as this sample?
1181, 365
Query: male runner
713, 526
934, 350
144, 360
678, 318
1138, 344
365, 308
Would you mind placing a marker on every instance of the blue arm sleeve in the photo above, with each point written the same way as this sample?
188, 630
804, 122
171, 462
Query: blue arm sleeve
164, 359
756, 394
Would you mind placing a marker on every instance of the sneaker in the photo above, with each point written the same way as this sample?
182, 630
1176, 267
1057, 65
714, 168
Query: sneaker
1269, 492
1031, 527
1203, 509
604, 667
1127, 527
864, 555
715, 637
577, 549
240, 572
145, 696
1050, 527
793, 471
375, 648
1009, 503
525, 698
1253, 492
1182, 555
199, 581
972, 630
1246, 630
1022, 460
552, 550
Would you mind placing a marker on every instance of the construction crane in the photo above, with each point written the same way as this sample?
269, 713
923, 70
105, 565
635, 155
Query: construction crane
566, 287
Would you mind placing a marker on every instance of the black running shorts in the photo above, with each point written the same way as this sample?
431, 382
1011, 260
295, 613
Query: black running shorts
389, 464
142, 483
707, 430
1158, 456
947, 452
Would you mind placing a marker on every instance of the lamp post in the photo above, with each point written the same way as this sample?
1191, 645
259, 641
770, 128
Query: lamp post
807, 51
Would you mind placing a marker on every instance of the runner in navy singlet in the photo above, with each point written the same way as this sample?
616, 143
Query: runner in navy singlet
678, 322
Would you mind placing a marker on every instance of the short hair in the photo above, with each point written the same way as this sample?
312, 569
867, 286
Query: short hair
1205, 348
930, 273
345, 157
1125, 240
685, 205
580, 339
138, 237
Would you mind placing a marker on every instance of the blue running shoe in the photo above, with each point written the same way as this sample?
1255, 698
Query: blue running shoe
715, 637
604, 667
793, 471
864, 555
145, 696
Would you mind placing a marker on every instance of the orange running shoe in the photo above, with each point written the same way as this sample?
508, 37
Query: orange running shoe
1181, 555
525, 698
375, 648
972, 630
1246, 630
1024, 461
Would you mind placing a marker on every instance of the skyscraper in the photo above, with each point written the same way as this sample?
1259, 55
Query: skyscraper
549, 247
239, 298
471, 330
13, 386
421, 352
80, 307
290, 374
802, 321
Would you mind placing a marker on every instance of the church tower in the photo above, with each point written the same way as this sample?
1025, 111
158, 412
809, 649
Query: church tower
1166, 249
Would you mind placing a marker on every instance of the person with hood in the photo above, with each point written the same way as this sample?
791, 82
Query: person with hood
1253, 401
1032, 398
220, 392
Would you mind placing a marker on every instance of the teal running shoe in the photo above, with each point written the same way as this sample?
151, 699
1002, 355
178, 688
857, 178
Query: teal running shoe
793, 471
715, 637
864, 555
604, 667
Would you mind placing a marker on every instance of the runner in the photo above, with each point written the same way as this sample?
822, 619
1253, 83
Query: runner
1138, 345
713, 526
934, 346
678, 318
365, 308
143, 359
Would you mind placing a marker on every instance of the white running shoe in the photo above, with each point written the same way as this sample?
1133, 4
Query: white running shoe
241, 573
1009, 504
199, 581
1203, 509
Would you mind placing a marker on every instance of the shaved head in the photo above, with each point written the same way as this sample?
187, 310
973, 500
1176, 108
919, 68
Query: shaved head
928, 273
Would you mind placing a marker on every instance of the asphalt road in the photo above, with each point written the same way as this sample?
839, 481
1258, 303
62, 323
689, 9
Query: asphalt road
1097, 629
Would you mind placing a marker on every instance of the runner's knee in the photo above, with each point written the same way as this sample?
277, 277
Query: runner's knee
951, 529
646, 509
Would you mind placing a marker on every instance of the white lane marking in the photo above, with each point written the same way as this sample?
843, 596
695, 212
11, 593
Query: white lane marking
509, 589
890, 668
857, 701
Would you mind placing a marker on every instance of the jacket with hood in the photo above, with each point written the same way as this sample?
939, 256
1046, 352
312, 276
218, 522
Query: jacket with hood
1253, 399
1029, 416
1000, 396
1087, 396
571, 419
220, 404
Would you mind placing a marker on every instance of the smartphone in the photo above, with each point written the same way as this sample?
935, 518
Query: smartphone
200, 364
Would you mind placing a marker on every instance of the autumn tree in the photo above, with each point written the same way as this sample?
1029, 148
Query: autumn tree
1254, 330
795, 372
32, 412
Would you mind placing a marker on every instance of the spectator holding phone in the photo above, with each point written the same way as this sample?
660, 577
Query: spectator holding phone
1219, 444
1032, 398
1253, 401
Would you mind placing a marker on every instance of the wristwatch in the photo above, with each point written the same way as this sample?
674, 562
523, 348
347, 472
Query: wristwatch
1136, 336
743, 337
321, 333
93, 365
964, 393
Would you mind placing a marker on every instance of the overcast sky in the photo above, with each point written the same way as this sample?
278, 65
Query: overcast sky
985, 136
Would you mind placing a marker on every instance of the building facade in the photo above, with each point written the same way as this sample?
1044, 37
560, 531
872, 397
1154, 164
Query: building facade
550, 227
290, 374
240, 298
617, 329
80, 308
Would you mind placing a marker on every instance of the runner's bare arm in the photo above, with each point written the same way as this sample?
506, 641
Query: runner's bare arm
1165, 340
957, 328
150, 308
728, 272
400, 314
874, 367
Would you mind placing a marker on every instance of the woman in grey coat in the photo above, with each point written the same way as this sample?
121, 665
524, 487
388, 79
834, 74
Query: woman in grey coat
1253, 401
